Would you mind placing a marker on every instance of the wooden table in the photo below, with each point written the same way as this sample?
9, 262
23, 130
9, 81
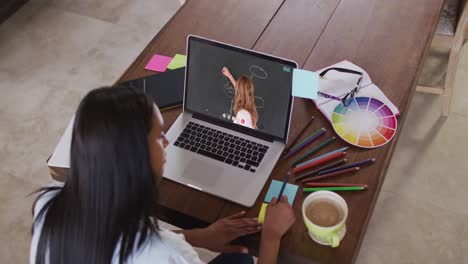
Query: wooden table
388, 39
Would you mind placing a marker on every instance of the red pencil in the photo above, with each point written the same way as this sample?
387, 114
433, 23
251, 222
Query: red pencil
318, 162
353, 169
325, 184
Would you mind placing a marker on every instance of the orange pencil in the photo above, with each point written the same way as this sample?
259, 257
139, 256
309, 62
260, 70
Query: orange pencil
332, 174
318, 162
327, 184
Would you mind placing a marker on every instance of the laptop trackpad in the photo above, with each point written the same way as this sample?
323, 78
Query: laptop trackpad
202, 172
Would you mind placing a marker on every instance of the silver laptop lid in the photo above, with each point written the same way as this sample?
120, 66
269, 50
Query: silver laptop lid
240, 89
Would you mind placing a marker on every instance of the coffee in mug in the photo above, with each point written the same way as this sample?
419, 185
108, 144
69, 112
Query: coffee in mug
324, 212
324, 215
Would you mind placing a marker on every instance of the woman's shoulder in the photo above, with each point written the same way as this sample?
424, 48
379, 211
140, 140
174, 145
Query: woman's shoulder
45, 195
165, 246
243, 112
243, 118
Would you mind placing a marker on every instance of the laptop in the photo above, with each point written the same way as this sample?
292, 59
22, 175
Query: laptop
235, 121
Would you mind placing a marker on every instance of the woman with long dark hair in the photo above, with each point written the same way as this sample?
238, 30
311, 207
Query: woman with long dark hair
106, 211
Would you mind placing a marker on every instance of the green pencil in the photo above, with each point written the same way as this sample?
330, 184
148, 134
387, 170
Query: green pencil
350, 188
319, 147
305, 139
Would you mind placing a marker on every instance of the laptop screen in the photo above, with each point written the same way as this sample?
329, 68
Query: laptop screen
239, 87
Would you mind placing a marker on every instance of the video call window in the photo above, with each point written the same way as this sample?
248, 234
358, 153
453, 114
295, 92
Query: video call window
244, 89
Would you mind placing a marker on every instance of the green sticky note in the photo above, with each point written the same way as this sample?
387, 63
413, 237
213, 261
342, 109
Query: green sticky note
178, 61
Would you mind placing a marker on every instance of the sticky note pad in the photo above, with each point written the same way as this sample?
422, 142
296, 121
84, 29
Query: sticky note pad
178, 61
275, 188
305, 84
158, 63
261, 215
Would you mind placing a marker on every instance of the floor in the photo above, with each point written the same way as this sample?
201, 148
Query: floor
52, 52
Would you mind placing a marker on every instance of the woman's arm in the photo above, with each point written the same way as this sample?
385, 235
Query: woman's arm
218, 236
228, 74
193, 236
279, 217
269, 248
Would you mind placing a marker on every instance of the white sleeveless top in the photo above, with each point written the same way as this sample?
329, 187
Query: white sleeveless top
243, 118
169, 247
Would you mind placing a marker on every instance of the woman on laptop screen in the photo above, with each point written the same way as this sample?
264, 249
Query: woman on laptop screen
106, 210
244, 101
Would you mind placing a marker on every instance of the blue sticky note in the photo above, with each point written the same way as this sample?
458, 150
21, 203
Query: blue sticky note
305, 84
275, 188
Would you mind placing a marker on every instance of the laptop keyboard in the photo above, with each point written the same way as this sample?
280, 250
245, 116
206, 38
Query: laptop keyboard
221, 146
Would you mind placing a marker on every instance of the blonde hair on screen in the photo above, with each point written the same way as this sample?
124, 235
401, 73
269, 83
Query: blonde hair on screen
245, 99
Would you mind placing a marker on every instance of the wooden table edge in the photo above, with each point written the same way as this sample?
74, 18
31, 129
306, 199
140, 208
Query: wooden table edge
389, 157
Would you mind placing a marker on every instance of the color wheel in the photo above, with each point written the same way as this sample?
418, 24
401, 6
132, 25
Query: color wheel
366, 122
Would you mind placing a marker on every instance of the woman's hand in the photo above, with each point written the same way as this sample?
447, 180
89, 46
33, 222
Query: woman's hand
279, 217
226, 72
218, 236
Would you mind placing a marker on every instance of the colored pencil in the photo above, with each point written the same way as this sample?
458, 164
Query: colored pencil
299, 135
305, 139
350, 188
336, 173
308, 174
322, 156
317, 148
285, 181
327, 184
311, 139
355, 164
318, 162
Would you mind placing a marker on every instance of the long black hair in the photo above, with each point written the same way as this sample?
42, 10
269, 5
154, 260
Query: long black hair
110, 195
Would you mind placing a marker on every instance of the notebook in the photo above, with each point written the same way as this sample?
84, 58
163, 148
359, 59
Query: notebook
166, 89
339, 84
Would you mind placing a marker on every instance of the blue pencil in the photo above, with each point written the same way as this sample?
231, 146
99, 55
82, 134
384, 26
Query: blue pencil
285, 181
322, 156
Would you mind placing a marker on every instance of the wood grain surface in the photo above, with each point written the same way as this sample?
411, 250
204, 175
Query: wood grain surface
387, 38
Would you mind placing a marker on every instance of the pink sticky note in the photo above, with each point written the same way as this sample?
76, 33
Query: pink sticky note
158, 63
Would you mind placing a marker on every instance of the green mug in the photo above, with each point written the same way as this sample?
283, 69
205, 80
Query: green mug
331, 235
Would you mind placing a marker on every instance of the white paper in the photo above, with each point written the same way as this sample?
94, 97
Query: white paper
339, 84
374, 92
61, 156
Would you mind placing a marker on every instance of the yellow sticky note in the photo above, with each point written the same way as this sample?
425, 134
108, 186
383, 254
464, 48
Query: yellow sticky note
178, 61
261, 215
